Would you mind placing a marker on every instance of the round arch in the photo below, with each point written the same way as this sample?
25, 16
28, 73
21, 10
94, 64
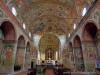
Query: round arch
78, 54
49, 43
8, 31
89, 39
7, 40
89, 31
19, 61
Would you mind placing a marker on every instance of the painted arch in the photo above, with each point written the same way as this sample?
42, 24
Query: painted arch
7, 40
90, 42
78, 54
19, 61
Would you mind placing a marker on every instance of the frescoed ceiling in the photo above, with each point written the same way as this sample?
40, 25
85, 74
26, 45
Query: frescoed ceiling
43, 16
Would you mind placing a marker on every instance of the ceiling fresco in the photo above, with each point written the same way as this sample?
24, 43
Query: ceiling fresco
42, 16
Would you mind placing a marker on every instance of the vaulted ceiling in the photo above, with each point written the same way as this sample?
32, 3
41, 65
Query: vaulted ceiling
43, 16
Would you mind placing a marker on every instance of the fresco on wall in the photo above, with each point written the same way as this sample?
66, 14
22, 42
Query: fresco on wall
98, 48
98, 44
2, 15
6, 55
66, 61
79, 63
20, 56
90, 56
66, 58
49, 41
27, 57
1, 37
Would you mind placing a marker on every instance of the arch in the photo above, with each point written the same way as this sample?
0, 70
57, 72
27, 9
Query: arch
78, 54
89, 31
72, 56
8, 30
77, 41
49, 38
28, 46
49, 42
27, 55
7, 40
21, 41
89, 39
19, 62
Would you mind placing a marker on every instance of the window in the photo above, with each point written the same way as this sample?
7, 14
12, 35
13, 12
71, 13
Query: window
86, 7
29, 34
24, 26
84, 11
74, 27
14, 11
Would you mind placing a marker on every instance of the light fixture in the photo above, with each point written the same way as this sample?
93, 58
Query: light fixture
84, 11
14, 11
24, 26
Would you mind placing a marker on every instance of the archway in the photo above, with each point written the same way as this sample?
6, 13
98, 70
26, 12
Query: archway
7, 42
89, 40
78, 54
27, 56
20, 53
49, 46
72, 59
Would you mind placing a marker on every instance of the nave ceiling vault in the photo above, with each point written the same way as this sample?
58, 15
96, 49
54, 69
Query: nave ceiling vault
42, 16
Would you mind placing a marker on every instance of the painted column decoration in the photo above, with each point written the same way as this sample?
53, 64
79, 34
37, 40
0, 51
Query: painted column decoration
27, 57
89, 56
6, 57
1, 46
20, 53
79, 62
66, 58
20, 56
6, 46
98, 44
89, 45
